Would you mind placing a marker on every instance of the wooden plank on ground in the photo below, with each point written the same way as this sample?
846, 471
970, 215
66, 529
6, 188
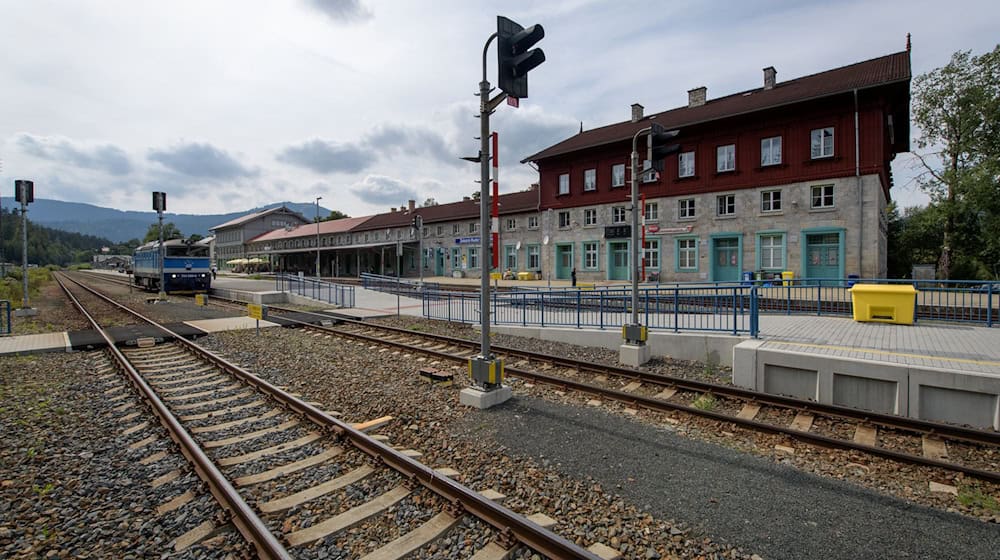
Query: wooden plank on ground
666, 393
349, 518
866, 435
803, 422
210, 392
935, 448
252, 435
184, 541
423, 535
200, 404
174, 503
604, 551
220, 411
234, 423
372, 424
314, 492
493, 551
749, 411
632, 386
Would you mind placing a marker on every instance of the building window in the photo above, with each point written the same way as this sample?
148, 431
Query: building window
534, 262
618, 175
564, 183
652, 211
822, 196
456, 258
510, 257
473, 227
772, 251
564, 219
590, 217
685, 209
821, 143
590, 180
648, 176
532, 222
651, 253
590, 255
725, 158
473, 257
687, 254
770, 201
455, 229
439, 230
685, 164
725, 205
511, 224
770, 151
618, 215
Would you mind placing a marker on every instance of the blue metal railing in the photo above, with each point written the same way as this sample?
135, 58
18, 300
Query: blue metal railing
5, 327
714, 308
337, 294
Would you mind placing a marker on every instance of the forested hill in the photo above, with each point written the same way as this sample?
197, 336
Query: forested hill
47, 245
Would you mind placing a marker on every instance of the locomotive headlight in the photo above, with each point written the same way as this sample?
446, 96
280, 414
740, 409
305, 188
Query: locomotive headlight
173, 276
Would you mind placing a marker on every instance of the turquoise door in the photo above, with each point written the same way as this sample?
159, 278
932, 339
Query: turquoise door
823, 255
439, 262
564, 261
726, 259
618, 260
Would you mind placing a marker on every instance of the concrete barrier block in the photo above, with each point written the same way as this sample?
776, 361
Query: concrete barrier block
745, 363
956, 397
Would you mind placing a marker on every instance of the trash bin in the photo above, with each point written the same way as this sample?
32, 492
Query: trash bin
747, 278
884, 303
786, 277
852, 279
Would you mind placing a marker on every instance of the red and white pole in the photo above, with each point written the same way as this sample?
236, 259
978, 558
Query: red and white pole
495, 222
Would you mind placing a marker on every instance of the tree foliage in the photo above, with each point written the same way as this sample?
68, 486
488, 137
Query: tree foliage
170, 231
47, 246
957, 108
334, 215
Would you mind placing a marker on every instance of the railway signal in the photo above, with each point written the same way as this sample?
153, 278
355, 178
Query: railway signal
160, 205
515, 57
24, 192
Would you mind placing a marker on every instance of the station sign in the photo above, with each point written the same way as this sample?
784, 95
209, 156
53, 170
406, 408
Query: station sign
617, 232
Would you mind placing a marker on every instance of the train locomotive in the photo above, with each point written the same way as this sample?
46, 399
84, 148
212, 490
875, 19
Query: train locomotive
186, 268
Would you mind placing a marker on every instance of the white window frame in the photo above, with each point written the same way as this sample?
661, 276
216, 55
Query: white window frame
651, 212
590, 217
590, 179
651, 253
456, 229
687, 256
618, 175
770, 200
725, 205
821, 142
686, 209
725, 158
532, 222
590, 254
564, 183
511, 224
770, 254
685, 164
823, 193
473, 253
648, 177
534, 257
768, 147
473, 227
618, 215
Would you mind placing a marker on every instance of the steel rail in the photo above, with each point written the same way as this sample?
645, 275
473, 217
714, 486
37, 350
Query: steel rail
665, 406
504, 520
247, 522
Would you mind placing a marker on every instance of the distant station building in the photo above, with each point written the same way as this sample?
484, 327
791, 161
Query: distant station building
230, 238
106, 261
790, 177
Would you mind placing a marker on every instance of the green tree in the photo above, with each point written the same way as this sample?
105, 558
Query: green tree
957, 108
335, 215
170, 231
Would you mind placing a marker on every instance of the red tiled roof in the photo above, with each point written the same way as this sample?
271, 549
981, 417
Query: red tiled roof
870, 73
255, 215
342, 225
510, 203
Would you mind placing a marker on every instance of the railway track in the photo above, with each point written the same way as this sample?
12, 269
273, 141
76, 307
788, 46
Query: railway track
970, 451
291, 475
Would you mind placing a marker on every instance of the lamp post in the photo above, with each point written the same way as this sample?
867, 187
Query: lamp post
318, 198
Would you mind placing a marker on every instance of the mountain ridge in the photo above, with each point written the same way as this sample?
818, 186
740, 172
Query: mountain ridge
123, 225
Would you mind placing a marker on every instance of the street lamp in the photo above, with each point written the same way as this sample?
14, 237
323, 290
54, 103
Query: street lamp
318, 198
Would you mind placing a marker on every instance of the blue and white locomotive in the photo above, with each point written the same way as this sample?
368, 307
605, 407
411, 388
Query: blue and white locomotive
186, 268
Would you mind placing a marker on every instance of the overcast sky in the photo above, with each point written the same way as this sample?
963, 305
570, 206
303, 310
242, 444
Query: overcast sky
227, 105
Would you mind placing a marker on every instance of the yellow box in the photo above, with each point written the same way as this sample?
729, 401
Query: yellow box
201, 299
525, 275
495, 276
884, 303
786, 277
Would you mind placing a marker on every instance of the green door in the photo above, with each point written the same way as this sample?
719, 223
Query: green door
823, 255
564, 261
618, 260
439, 262
726, 259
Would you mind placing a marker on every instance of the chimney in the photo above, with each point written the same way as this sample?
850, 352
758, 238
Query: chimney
534, 186
696, 96
465, 198
411, 204
636, 113
392, 210
770, 76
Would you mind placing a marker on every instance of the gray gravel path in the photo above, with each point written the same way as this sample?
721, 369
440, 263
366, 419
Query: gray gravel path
743, 500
